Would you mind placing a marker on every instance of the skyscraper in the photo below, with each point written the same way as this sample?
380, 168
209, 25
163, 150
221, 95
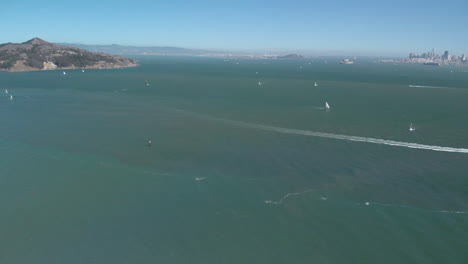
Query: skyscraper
446, 55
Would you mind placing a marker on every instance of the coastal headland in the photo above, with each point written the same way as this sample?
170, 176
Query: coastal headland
37, 54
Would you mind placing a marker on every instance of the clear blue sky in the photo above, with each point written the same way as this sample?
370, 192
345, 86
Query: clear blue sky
361, 26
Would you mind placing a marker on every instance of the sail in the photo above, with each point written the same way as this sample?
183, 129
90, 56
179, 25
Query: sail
327, 106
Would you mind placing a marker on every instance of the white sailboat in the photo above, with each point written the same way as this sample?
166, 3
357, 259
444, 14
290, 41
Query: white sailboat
146, 83
315, 84
260, 83
6, 91
411, 128
11, 97
82, 70
64, 73
327, 106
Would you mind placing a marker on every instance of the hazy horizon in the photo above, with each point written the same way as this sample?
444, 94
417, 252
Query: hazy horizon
343, 27
310, 52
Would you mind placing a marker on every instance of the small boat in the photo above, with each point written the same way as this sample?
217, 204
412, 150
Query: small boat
150, 143
6, 91
260, 83
315, 84
11, 97
411, 128
200, 178
327, 106
146, 83
82, 70
64, 73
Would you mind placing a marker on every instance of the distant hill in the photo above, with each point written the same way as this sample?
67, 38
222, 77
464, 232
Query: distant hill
37, 54
290, 56
134, 50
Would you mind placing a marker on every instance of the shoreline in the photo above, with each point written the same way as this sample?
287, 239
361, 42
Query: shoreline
73, 68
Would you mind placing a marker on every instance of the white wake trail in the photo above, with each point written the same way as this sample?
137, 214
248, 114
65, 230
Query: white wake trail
293, 131
344, 137
427, 86
437, 87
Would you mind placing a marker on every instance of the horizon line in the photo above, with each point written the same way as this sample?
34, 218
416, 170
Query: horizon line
309, 52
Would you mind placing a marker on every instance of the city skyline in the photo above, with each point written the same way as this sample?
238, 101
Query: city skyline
338, 28
446, 55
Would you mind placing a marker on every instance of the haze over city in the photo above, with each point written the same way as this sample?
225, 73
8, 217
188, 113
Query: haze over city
311, 27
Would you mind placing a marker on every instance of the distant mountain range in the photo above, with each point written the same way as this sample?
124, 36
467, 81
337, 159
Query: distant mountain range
37, 54
134, 50
291, 56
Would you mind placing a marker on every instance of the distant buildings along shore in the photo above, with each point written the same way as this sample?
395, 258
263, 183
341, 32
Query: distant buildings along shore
433, 59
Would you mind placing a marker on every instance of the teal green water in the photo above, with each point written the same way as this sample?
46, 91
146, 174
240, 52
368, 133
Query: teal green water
79, 185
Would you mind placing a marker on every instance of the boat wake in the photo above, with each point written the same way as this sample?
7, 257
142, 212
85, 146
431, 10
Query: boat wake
319, 108
426, 86
280, 201
370, 204
333, 136
433, 87
414, 208
353, 138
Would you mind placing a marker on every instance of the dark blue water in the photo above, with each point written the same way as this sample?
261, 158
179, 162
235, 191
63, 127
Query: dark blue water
237, 173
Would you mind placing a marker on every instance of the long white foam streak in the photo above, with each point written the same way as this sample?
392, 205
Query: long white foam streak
344, 137
427, 86
326, 135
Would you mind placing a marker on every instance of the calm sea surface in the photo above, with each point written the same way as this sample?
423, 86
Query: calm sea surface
238, 172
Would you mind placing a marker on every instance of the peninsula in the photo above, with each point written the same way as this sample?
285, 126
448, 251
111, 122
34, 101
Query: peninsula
37, 54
